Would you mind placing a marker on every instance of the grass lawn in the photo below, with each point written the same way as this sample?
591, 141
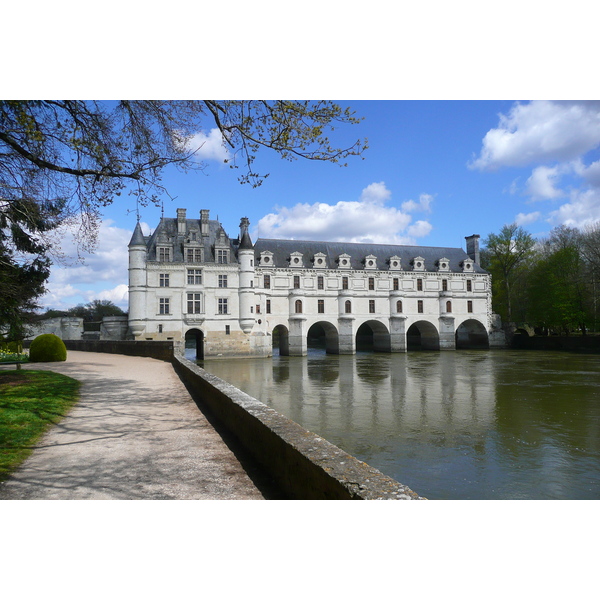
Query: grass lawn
30, 402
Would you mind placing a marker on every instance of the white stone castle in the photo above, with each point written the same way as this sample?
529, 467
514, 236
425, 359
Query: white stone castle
189, 282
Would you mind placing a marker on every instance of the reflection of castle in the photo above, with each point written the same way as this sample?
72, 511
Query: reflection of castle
190, 281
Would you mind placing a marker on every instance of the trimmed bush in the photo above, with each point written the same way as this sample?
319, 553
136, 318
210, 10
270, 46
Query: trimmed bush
47, 348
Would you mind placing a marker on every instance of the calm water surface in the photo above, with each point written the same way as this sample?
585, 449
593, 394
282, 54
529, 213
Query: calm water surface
450, 425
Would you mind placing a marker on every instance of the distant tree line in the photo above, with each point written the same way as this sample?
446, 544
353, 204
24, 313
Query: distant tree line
93, 311
551, 284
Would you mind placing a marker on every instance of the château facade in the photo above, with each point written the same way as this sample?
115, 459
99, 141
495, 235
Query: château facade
191, 283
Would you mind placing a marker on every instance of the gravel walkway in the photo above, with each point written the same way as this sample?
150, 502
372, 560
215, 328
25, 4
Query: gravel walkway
135, 434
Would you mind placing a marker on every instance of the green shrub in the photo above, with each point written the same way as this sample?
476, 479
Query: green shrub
47, 348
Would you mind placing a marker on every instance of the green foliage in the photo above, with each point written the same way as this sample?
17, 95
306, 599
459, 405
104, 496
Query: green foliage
505, 256
30, 402
47, 348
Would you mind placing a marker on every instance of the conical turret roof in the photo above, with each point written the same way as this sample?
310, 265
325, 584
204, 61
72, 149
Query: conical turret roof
137, 239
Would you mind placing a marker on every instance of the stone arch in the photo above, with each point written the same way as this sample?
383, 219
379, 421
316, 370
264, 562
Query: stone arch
194, 344
323, 334
281, 340
422, 335
471, 335
373, 336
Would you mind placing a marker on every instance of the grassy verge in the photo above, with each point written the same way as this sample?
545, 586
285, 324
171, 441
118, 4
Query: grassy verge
30, 402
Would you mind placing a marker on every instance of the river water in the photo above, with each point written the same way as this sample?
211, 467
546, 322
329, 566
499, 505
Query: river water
479, 424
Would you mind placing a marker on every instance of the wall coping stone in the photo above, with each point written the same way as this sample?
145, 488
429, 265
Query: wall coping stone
305, 465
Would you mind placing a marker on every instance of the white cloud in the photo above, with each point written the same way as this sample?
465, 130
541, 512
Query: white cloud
68, 285
423, 205
524, 219
540, 131
582, 209
208, 147
118, 295
363, 221
542, 183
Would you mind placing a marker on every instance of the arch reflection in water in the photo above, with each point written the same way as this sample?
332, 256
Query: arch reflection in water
469, 424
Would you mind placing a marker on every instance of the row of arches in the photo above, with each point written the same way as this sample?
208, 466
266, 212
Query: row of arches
371, 336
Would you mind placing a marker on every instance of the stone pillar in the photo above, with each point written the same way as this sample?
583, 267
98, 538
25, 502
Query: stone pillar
447, 340
347, 341
298, 345
398, 333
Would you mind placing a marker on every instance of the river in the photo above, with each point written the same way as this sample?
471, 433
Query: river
479, 424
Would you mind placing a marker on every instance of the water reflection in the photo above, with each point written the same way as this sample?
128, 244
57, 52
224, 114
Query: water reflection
468, 424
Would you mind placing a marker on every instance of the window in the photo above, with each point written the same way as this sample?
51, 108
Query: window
193, 304
320, 282
469, 286
258, 309
193, 255
296, 282
160, 329
194, 276
420, 306
344, 283
222, 306
163, 280
222, 258
419, 285
267, 282
371, 306
371, 283
448, 306
321, 306
268, 308
222, 281
163, 306
396, 284
399, 306
164, 254
444, 285
348, 307
227, 330
298, 306
470, 306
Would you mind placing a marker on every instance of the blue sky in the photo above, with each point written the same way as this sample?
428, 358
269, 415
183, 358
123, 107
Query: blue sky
434, 172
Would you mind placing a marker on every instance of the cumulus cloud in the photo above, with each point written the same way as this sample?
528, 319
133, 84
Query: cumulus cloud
524, 219
538, 132
582, 209
367, 220
542, 183
423, 205
208, 146
69, 284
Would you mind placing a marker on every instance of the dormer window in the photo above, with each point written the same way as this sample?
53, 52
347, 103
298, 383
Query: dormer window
395, 263
193, 255
320, 260
343, 261
418, 263
443, 265
370, 262
266, 258
164, 254
467, 265
222, 257
296, 259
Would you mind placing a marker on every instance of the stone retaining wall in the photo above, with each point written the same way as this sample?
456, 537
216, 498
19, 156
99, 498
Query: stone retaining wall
304, 465
159, 350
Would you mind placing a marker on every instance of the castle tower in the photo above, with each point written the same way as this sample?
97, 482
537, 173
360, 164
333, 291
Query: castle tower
137, 281
246, 290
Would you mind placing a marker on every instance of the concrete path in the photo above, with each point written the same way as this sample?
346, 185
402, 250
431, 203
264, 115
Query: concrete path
135, 434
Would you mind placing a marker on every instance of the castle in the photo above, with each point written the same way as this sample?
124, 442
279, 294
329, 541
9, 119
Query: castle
191, 283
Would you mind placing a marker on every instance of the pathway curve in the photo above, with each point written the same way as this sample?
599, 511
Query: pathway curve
135, 434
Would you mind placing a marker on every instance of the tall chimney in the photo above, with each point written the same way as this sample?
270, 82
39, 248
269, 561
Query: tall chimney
181, 221
204, 221
473, 246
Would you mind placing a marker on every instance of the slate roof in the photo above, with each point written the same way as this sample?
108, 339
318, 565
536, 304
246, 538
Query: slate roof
282, 249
